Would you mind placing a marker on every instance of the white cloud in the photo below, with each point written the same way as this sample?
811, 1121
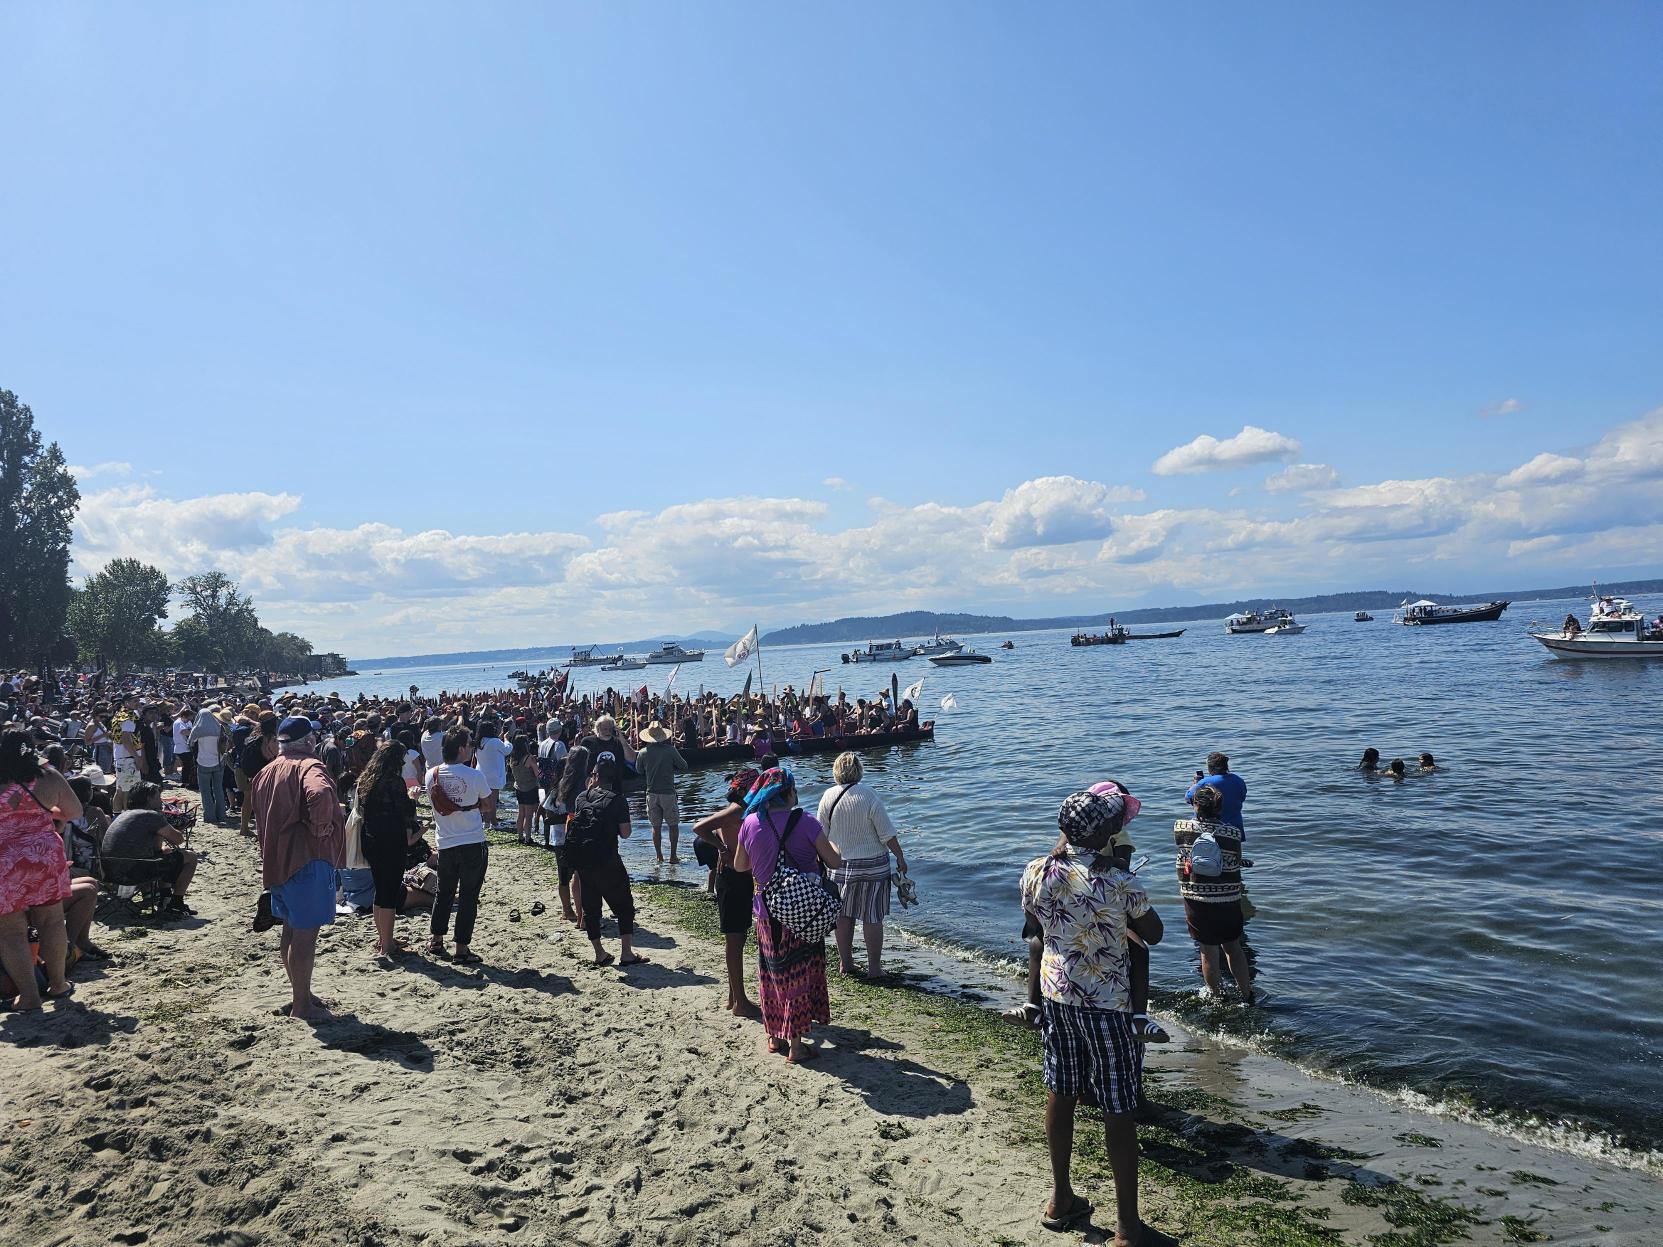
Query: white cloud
111, 467
1543, 468
1054, 510
836, 482
1208, 454
1301, 478
1506, 407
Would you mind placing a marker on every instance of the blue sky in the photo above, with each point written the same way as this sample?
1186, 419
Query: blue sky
346, 299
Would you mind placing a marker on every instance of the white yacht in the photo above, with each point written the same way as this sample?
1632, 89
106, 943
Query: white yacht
586, 658
938, 644
1615, 630
882, 651
670, 652
621, 663
1261, 621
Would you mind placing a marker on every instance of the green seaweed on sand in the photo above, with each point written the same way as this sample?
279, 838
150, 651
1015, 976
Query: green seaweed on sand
1299, 1112
1413, 1138
1420, 1220
1525, 1177
1519, 1230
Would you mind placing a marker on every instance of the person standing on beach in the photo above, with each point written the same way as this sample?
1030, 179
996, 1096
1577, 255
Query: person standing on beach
207, 739
1209, 880
858, 827
1084, 905
302, 838
658, 763
734, 888
457, 791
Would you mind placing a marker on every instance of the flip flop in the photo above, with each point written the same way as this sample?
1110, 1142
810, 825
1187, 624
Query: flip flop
809, 1054
68, 991
1079, 1211
605, 959
537, 907
467, 959
634, 959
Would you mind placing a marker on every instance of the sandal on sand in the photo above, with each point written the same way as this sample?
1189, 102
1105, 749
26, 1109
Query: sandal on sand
605, 959
1145, 1030
808, 1054
778, 1046
634, 959
469, 958
1026, 1016
68, 991
537, 907
436, 947
1080, 1210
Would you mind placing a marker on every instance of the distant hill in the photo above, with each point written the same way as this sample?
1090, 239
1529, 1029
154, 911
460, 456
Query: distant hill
912, 624
542, 655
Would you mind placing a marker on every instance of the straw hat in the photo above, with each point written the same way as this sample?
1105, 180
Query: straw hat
94, 775
655, 733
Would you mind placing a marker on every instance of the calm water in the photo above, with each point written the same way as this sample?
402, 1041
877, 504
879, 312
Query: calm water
1491, 933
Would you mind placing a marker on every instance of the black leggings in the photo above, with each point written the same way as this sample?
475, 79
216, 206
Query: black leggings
386, 858
461, 875
608, 881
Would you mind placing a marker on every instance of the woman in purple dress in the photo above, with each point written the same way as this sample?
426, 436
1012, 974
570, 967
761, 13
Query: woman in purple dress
791, 973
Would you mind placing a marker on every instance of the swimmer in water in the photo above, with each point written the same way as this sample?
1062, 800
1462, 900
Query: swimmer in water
1396, 768
1427, 764
1371, 760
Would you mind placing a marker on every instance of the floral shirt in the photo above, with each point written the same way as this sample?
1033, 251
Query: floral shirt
1083, 904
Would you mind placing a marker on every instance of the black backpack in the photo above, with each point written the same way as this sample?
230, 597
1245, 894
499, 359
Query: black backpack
586, 833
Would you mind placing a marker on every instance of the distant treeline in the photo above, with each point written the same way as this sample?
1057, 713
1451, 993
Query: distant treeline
909, 624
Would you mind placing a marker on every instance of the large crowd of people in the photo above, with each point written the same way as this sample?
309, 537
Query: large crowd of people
342, 796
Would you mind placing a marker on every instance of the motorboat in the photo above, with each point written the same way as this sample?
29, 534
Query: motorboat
961, 658
882, 651
670, 652
1258, 621
586, 658
1615, 630
938, 644
1115, 635
1154, 636
1362, 617
1287, 629
1427, 612
626, 664
1007, 645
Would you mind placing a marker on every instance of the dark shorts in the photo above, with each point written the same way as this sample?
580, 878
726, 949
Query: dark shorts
734, 892
525, 798
563, 865
1031, 929
706, 855
1092, 1054
1213, 922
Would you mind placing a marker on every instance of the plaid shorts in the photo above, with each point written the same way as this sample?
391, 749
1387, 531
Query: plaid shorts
1091, 1053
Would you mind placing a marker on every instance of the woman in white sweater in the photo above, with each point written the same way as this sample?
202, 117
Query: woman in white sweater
859, 829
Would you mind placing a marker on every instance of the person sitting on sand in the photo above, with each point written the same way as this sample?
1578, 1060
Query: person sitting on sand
734, 889
141, 846
1084, 906
598, 821
1370, 762
791, 973
302, 838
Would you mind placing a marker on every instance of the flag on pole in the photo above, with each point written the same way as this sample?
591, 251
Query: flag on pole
912, 692
641, 695
949, 702
746, 695
741, 649
671, 682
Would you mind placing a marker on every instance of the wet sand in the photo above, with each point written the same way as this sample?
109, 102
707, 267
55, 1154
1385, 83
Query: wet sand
536, 1099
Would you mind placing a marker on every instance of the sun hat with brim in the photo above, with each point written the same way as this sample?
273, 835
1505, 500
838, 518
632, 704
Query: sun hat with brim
252, 710
295, 727
1110, 788
654, 733
94, 775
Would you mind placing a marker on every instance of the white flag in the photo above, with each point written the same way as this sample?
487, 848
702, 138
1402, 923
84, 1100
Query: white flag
671, 682
912, 692
741, 649
815, 688
949, 702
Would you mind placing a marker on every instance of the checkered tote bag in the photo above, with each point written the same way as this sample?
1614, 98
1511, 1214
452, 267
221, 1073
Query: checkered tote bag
805, 904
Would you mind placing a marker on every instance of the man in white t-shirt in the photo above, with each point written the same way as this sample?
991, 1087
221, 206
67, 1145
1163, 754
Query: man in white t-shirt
433, 741
457, 790
127, 752
493, 755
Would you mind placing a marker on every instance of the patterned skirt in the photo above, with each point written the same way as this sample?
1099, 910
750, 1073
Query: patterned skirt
864, 884
791, 982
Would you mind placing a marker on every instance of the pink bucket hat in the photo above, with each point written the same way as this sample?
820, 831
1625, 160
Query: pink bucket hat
1133, 805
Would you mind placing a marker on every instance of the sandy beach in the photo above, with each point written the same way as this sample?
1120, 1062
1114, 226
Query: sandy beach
537, 1099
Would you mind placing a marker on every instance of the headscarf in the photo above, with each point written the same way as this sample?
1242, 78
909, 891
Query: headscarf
739, 785
1083, 815
768, 785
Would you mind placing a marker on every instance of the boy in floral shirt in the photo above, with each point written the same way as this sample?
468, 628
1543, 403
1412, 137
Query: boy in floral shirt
1084, 904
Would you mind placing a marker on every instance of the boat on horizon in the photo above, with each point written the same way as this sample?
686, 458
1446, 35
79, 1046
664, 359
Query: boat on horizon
1244, 622
1154, 636
1116, 635
670, 652
1362, 617
1426, 612
582, 657
627, 664
961, 658
938, 644
881, 651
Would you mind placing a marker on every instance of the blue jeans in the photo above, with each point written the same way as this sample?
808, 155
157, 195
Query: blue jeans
358, 887
210, 786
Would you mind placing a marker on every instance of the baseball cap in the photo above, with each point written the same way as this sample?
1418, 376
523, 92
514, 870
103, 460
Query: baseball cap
294, 728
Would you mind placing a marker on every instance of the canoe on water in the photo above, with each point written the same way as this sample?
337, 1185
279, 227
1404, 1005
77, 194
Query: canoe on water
728, 755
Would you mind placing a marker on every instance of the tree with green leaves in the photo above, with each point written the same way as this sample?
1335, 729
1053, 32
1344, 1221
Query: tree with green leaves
114, 615
222, 631
38, 500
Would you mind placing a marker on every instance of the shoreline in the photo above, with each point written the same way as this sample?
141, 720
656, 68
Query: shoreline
535, 1099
